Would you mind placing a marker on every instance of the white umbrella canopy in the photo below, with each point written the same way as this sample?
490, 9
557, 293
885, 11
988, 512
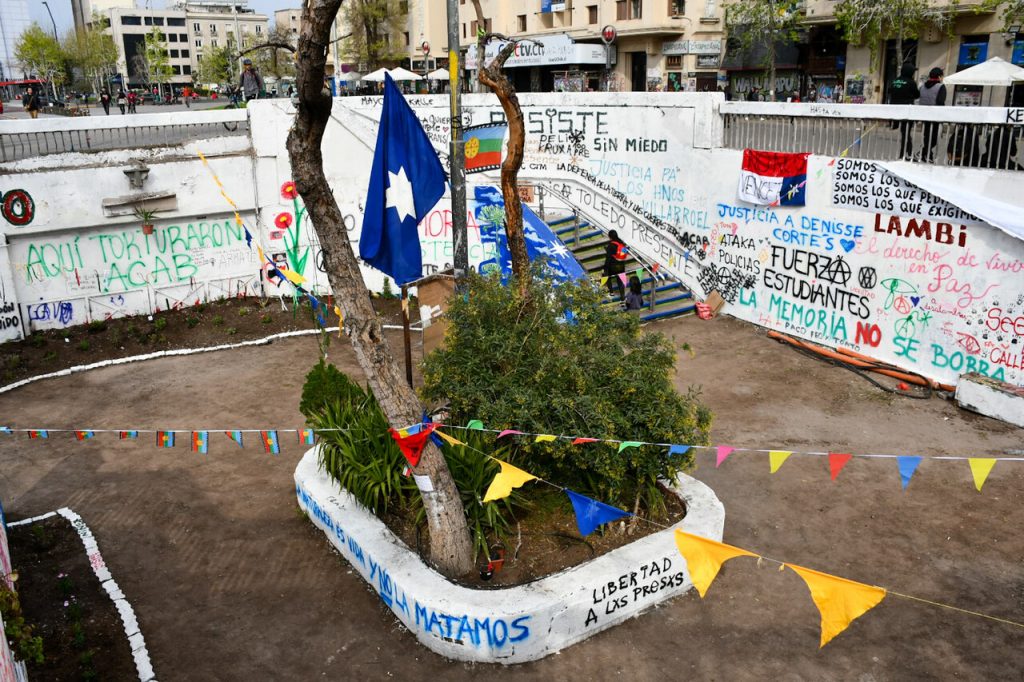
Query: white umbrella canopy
993, 72
349, 76
438, 75
376, 76
401, 74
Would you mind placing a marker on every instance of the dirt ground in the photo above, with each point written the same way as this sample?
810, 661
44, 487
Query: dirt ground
230, 582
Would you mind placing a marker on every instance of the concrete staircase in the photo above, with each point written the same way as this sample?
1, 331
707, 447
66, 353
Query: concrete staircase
664, 296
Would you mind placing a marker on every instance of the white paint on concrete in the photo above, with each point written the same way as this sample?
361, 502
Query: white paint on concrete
515, 624
991, 398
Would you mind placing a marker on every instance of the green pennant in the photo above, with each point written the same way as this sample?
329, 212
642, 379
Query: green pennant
629, 444
475, 424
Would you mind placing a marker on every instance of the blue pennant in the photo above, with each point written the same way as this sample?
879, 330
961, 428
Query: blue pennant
590, 513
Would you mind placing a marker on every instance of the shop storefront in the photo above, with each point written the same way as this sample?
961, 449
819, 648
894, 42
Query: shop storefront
551, 63
691, 65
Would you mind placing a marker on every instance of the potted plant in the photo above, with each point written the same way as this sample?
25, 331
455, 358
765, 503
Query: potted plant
146, 216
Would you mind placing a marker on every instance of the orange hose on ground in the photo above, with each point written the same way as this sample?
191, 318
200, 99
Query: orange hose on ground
859, 360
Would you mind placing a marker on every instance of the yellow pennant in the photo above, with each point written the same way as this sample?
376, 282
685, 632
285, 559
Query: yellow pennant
981, 467
545, 438
704, 558
259, 250
449, 439
202, 157
238, 219
508, 478
776, 458
228, 199
604, 280
839, 600
292, 276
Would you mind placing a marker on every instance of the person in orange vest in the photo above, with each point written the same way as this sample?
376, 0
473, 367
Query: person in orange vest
615, 256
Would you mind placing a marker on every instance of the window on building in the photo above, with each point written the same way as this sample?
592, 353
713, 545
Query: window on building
710, 7
162, 36
148, 21
674, 61
636, 9
405, 36
676, 8
184, 54
259, 29
213, 42
186, 70
196, 27
199, 43
213, 29
158, 21
463, 31
521, 21
628, 9
131, 21
591, 14
183, 37
172, 38
174, 54
176, 70
175, 21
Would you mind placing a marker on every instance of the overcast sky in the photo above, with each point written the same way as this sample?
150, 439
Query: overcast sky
62, 10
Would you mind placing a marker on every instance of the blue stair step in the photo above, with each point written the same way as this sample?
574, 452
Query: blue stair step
662, 314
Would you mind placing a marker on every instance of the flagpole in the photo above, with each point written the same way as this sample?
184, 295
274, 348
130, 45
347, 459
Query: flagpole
405, 334
457, 154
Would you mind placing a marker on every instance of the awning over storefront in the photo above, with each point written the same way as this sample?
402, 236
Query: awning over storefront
550, 50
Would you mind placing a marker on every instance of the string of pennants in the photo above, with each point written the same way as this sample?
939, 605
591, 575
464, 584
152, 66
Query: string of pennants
839, 601
288, 191
199, 441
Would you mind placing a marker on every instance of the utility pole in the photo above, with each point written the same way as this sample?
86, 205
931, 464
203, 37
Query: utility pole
457, 153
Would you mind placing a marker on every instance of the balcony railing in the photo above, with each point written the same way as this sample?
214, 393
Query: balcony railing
974, 137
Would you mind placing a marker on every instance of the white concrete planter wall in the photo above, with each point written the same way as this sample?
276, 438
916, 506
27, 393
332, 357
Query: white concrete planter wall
515, 624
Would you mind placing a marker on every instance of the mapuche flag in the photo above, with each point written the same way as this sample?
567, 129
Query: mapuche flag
484, 145
406, 181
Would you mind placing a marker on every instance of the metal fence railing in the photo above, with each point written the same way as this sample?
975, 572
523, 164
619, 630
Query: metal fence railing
28, 138
901, 133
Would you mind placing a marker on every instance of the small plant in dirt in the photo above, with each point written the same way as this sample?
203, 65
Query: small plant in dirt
25, 644
160, 324
50, 356
192, 321
13, 361
36, 340
218, 320
83, 345
96, 326
387, 291
557, 362
243, 311
231, 331
267, 318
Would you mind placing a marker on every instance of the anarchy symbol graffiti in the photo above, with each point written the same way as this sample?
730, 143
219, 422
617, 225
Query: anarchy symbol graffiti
867, 277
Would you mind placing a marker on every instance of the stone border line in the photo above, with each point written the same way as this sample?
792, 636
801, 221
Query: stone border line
131, 625
512, 624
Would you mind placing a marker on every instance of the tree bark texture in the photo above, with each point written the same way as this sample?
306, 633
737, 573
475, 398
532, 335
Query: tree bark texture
450, 546
494, 77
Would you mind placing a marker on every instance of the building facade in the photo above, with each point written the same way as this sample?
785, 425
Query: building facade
14, 20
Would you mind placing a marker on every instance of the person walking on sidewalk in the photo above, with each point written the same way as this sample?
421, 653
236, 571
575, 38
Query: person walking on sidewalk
122, 100
105, 101
615, 255
902, 90
31, 102
933, 94
251, 82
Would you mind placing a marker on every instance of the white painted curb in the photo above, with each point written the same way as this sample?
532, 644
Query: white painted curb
514, 624
99, 567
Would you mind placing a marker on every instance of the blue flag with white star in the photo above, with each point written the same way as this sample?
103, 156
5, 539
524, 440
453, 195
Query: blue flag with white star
406, 181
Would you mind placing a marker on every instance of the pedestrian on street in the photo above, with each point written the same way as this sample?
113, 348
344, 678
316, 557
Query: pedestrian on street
122, 100
105, 101
615, 255
635, 297
902, 90
133, 100
31, 102
251, 82
932, 94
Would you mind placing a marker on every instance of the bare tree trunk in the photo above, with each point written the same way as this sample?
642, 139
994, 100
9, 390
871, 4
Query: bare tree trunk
450, 547
494, 77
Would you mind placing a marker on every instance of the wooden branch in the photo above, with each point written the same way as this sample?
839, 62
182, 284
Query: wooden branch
266, 46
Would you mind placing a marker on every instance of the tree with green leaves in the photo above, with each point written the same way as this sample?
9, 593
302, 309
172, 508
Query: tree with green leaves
93, 52
1011, 11
871, 22
376, 38
764, 23
267, 56
216, 67
157, 64
40, 54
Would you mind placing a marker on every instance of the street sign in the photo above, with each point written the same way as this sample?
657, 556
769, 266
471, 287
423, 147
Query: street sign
425, 47
608, 34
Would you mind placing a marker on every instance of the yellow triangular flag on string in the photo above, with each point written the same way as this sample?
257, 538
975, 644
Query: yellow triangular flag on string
449, 439
705, 557
509, 477
292, 276
840, 601
981, 467
202, 157
545, 438
776, 458
259, 250
604, 280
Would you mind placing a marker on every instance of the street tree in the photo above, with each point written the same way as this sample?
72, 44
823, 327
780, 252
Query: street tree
493, 76
1011, 11
271, 60
871, 22
763, 23
158, 67
215, 67
40, 54
376, 32
450, 545
94, 52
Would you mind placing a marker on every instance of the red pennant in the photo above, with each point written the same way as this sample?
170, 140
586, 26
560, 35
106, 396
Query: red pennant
413, 444
836, 462
580, 441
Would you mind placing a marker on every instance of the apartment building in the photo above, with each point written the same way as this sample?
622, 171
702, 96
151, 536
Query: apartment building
14, 20
82, 10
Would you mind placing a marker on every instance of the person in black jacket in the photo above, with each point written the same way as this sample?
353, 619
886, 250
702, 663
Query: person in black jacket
615, 256
932, 93
902, 90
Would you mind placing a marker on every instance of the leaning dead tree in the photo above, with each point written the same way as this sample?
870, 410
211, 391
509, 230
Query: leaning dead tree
450, 547
493, 76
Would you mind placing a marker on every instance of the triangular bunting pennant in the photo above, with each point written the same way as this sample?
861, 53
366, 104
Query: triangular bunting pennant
475, 425
721, 452
412, 444
292, 276
545, 438
581, 441
509, 432
6, 429
678, 450
629, 444
200, 442
907, 466
839, 600
306, 437
38, 433
235, 436
704, 558
508, 478
127, 435
448, 439
590, 513
776, 459
836, 462
165, 439
270, 442
84, 435
981, 467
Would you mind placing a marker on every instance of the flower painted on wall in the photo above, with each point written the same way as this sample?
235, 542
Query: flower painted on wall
291, 224
283, 220
288, 190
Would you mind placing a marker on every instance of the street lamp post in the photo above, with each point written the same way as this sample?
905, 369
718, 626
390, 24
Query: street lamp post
47, 6
457, 153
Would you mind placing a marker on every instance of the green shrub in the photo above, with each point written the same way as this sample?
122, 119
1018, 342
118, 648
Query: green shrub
267, 318
243, 311
160, 324
192, 321
231, 331
25, 645
520, 365
218, 320
36, 340
83, 345
97, 326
